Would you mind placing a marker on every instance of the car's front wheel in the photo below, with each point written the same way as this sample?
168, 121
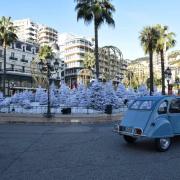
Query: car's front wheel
163, 144
129, 139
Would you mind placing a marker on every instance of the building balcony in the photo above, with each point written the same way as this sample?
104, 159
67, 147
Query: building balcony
13, 58
24, 60
17, 71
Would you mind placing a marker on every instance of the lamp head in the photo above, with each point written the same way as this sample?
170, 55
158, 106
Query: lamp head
56, 65
40, 65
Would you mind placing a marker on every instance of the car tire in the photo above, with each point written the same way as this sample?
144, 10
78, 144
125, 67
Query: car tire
163, 144
129, 139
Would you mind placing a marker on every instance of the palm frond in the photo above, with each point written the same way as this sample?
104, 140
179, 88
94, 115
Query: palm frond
45, 52
100, 11
7, 31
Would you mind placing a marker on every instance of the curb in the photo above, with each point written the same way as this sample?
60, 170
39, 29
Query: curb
73, 118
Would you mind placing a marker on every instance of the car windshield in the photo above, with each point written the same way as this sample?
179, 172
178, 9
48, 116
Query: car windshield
142, 105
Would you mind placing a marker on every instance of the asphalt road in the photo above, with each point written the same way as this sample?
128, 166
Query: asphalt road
80, 152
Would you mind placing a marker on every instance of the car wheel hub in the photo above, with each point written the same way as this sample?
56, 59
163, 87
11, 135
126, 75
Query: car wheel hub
164, 142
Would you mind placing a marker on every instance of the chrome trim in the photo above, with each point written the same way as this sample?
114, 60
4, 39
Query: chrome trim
116, 129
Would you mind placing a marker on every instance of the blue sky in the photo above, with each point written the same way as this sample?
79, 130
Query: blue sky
130, 17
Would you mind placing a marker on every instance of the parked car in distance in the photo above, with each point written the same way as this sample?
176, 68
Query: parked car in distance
156, 117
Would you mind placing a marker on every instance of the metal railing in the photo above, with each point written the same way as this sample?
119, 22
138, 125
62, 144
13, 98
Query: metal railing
42, 109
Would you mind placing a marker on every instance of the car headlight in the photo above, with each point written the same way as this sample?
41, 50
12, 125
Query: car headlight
138, 131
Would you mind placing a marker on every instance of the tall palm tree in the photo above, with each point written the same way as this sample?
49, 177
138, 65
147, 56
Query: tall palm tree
99, 11
45, 52
148, 37
7, 37
165, 42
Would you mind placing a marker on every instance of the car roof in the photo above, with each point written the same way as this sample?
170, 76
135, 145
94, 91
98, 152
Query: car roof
156, 98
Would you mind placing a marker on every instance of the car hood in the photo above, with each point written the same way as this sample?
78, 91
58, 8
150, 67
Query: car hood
138, 119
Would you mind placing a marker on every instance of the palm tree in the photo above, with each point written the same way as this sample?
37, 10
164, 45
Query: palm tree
99, 11
89, 60
148, 37
165, 42
45, 53
7, 37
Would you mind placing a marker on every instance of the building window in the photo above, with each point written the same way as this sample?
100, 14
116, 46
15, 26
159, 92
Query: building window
1, 53
12, 67
12, 54
12, 45
23, 69
23, 48
18, 45
23, 57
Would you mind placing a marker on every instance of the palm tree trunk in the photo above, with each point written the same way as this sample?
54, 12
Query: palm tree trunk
4, 74
151, 72
96, 49
162, 72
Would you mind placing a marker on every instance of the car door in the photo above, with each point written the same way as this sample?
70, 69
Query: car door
174, 115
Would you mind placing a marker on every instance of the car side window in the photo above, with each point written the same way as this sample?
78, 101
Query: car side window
175, 106
163, 107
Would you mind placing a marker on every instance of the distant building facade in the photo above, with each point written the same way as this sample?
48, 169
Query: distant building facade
30, 31
18, 65
21, 66
46, 35
174, 64
73, 49
26, 30
138, 71
112, 65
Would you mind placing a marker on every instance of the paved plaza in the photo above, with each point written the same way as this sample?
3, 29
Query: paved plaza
75, 151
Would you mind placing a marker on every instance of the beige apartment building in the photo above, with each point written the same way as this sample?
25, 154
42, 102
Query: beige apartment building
73, 49
29, 31
26, 30
140, 67
46, 35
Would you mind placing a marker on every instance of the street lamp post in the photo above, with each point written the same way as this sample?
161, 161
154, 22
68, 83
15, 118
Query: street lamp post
168, 75
48, 68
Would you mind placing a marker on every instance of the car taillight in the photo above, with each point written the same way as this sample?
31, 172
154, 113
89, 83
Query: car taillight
138, 131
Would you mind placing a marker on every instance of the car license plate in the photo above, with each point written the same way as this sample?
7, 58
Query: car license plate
128, 129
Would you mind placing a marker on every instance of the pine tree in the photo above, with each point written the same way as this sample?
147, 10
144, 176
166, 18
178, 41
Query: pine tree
142, 90
64, 94
43, 100
110, 96
53, 98
73, 98
1, 97
39, 92
121, 91
97, 96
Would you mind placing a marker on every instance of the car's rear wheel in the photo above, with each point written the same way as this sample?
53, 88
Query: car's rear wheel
129, 139
163, 144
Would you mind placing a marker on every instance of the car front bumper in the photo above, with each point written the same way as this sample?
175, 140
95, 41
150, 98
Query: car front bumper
130, 131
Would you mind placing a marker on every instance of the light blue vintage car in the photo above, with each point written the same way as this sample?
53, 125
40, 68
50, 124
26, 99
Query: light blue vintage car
156, 117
